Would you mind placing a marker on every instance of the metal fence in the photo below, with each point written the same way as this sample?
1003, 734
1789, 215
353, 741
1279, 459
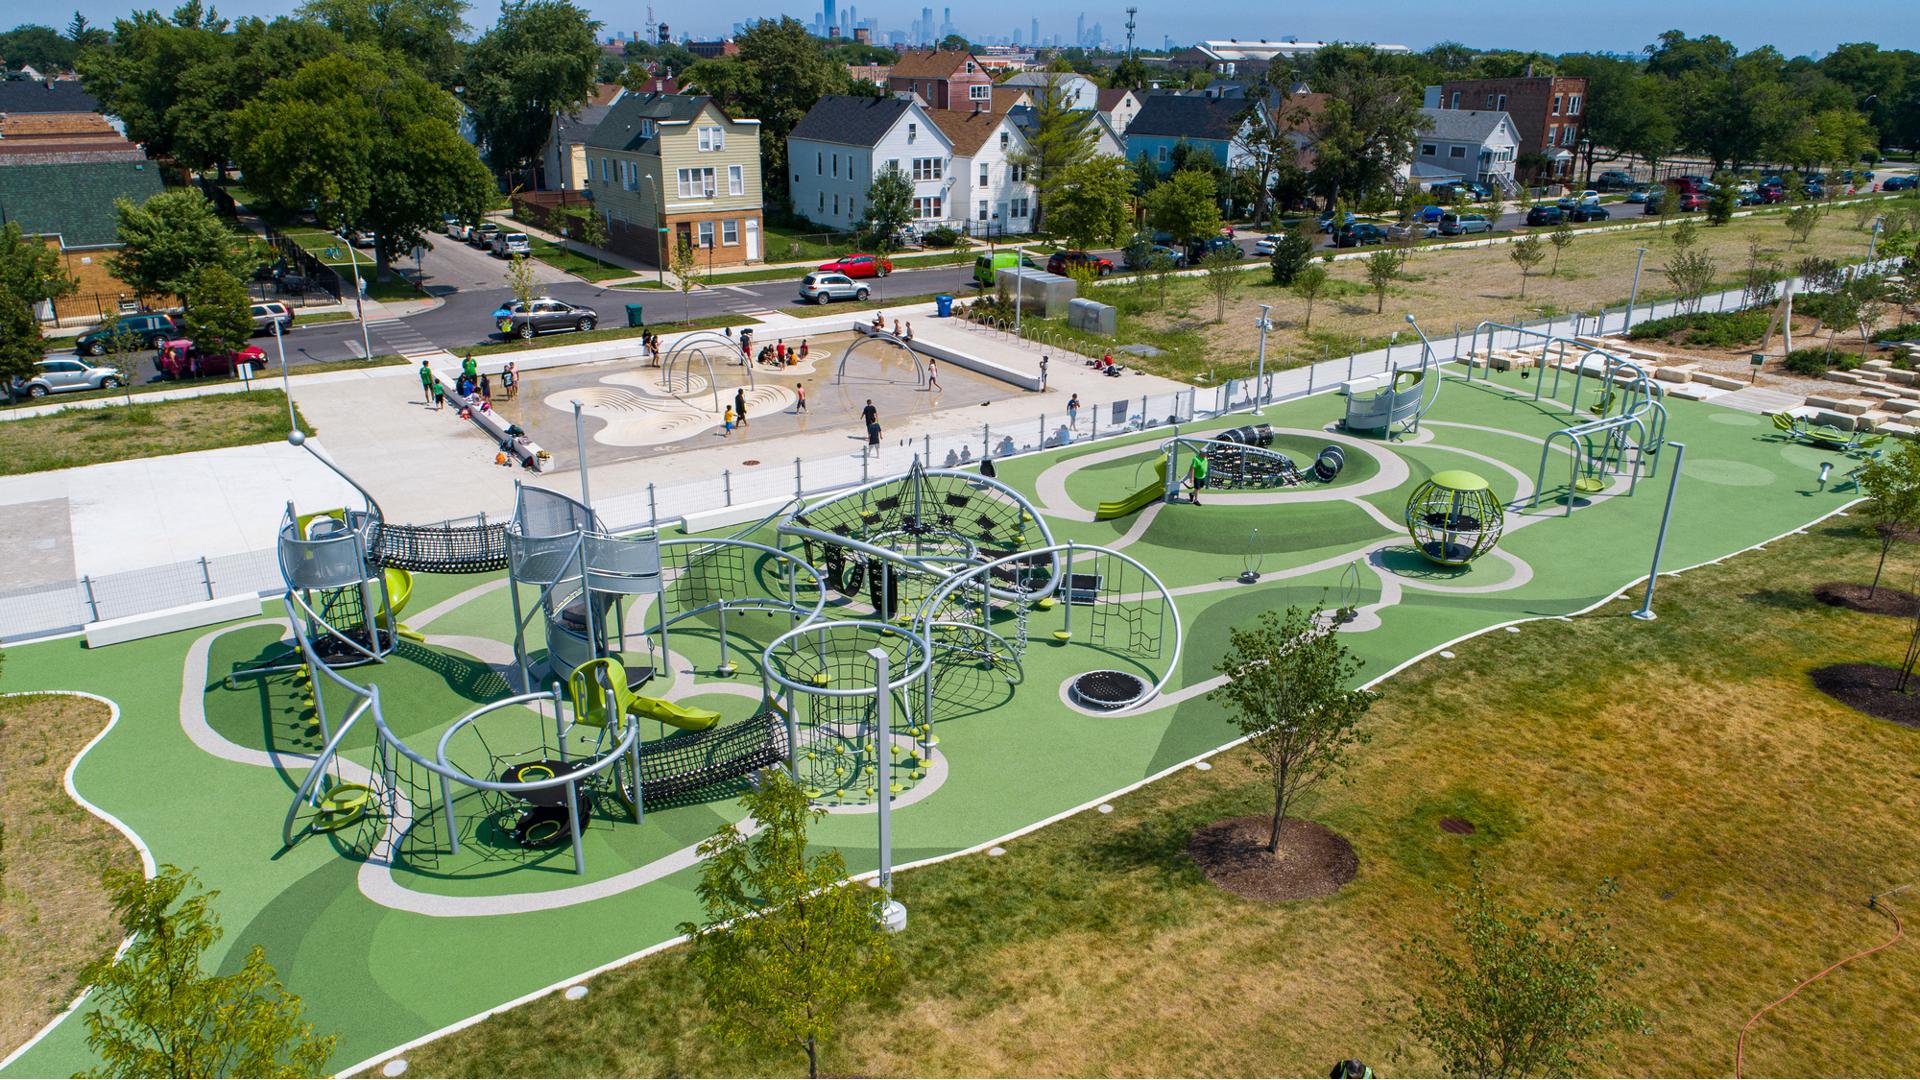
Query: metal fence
52, 608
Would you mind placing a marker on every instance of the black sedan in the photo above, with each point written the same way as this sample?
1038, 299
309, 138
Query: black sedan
1358, 234
1546, 215
1588, 212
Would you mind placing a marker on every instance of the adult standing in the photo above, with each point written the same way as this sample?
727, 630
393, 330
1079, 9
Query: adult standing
1043, 374
740, 405
933, 374
800, 399
869, 415
1073, 413
1199, 471
426, 381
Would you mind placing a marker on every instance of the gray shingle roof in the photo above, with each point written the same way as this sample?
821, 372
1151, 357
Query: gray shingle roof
1176, 117
1461, 125
74, 201
578, 127
851, 121
621, 129
59, 96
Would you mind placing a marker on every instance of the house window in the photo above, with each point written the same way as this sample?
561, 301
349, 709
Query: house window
1429, 150
706, 234
980, 92
983, 210
1566, 135
1163, 155
836, 164
1556, 104
926, 168
823, 209
696, 183
969, 67
893, 164
1489, 101
836, 206
736, 180
1573, 104
1017, 173
928, 209
712, 138
913, 132
1456, 100
646, 129
1004, 138
730, 232
1017, 208
819, 163
1553, 134
1502, 107
1456, 151
983, 173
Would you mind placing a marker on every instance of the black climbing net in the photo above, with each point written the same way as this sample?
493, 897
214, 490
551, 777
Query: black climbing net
442, 549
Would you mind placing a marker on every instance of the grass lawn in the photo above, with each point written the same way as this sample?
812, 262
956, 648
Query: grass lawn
333, 251
321, 317
608, 333
56, 918
270, 372
572, 262
1440, 286
74, 437
1745, 817
900, 262
781, 244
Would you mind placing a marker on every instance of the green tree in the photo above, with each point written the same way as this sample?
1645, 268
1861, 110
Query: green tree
1185, 206
539, 60
126, 353
1059, 137
427, 32
684, 269
523, 281
153, 1012
1223, 277
1690, 273
166, 241
1382, 268
777, 76
1517, 993
787, 944
217, 317
1561, 237
1368, 125
1724, 200
371, 148
889, 207
30, 268
1685, 235
1146, 175
1308, 284
21, 347
1288, 691
1291, 253
1891, 484
1526, 254
1801, 221
1090, 207
40, 46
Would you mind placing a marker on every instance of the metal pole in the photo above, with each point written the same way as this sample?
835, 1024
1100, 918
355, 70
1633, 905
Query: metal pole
1066, 579
653, 508
798, 488
93, 605
1260, 377
580, 447
1645, 614
206, 578
1634, 296
893, 914
726, 482
359, 303
286, 387
1019, 287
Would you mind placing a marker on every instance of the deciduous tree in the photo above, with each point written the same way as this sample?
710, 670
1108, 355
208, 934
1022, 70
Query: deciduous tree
1308, 284
427, 32
218, 319
776, 77
30, 268
1561, 237
1891, 484
1526, 253
1223, 278
889, 206
540, 59
1090, 207
166, 241
1185, 207
21, 346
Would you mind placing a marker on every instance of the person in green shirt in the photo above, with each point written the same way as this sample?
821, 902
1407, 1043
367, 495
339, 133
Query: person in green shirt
426, 381
1199, 472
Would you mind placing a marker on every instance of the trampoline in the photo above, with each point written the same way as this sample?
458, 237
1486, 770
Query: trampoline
1107, 691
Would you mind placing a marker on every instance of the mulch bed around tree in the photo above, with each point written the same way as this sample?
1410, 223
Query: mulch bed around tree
1313, 860
1853, 595
1870, 689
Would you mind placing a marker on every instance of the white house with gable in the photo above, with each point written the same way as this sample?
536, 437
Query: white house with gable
991, 194
843, 142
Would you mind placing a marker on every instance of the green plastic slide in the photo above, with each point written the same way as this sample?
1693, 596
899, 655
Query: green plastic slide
667, 712
1139, 500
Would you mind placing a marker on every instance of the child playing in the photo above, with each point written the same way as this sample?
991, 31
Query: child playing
728, 421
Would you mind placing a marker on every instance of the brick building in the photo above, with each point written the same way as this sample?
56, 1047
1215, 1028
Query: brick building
944, 79
1548, 111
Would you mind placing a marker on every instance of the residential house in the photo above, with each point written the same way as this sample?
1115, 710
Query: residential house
19, 97
1548, 111
1119, 106
563, 161
1466, 144
713, 50
654, 83
1009, 98
990, 194
1210, 124
62, 138
837, 149
870, 73
1076, 91
943, 78
673, 169
71, 206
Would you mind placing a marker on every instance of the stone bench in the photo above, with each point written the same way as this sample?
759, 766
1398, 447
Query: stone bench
1680, 373
1846, 377
1720, 382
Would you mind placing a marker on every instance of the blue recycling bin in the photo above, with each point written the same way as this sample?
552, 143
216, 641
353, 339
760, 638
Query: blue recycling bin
943, 307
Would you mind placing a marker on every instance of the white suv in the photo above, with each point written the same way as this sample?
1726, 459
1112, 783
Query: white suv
824, 288
62, 376
506, 245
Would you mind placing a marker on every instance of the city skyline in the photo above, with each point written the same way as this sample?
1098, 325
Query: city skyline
1794, 29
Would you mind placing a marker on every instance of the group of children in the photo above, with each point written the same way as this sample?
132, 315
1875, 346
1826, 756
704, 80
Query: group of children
880, 326
473, 385
779, 355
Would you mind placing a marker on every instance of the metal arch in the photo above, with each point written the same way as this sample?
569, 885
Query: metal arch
871, 336
1225, 444
1577, 437
695, 344
924, 621
900, 680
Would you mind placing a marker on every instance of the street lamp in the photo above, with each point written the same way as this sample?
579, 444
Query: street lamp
1634, 296
359, 298
1260, 380
1873, 235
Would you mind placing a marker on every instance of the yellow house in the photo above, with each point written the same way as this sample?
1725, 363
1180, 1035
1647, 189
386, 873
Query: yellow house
668, 170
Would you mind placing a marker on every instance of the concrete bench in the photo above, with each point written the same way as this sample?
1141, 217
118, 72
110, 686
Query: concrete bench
1680, 373
168, 620
1846, 377
1719, 382
1830, 418
1823, 401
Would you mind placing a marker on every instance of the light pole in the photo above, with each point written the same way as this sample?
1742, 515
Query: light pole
1260, 380
1019, 282
1645, 614
1872, 236
1634, 296
893, 914
359, 302
286, 386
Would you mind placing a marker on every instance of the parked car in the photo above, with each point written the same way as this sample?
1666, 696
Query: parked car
545, 313
1211, 244
1691, 202
149, 330
986, 267
360, 238
1412, 230
1688, 183
448, 223
1265, 245
1767, 196
481, 236
1749, 198
269, 312
64, 376
1326, 220
1462, 224
507, 245
180, 359
1062, 261
1546, 214
858, 266
1815, 190
1640, 194
1614, 180
1359, 234
824, 288
1589, 212
460, 230
1154, 253
1588, 197
1898, 183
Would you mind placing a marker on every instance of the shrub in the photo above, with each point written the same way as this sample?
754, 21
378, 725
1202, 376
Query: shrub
1711, 329
943, 237
1903, 332
1818, 361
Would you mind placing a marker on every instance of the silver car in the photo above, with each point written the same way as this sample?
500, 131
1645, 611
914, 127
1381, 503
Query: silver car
63, 376
507, 245
823, 288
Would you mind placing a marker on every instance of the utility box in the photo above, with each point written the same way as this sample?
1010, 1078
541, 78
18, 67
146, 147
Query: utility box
1092, 316
1036, 290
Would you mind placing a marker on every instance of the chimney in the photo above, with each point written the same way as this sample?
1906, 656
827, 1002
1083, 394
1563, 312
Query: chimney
1529, 69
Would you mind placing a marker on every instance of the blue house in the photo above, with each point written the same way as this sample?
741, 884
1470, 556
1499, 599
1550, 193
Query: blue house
1208, 124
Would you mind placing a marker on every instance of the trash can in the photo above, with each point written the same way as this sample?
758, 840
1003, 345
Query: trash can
634, 316
943, 307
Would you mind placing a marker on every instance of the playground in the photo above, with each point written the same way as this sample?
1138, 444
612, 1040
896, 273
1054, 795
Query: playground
446, 746
633, 409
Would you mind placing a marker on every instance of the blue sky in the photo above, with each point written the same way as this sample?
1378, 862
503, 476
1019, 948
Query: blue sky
1792, 26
